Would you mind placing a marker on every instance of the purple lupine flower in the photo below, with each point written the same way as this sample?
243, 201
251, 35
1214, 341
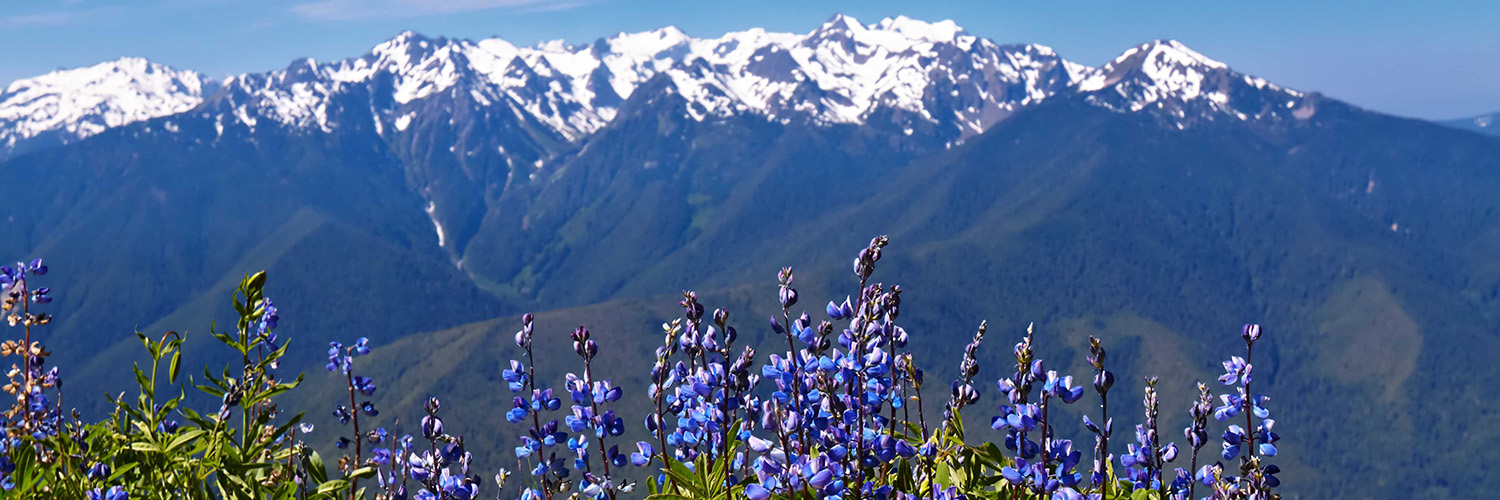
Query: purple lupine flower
1062, 387
1268, 438
432, 427
1232, 406
643, 456
98, 472
364, 385
113, 493
1236, 371
515, 376
1233, 438
1250, 332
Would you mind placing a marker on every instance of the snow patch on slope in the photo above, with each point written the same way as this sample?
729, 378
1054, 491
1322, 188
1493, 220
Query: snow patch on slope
432, 214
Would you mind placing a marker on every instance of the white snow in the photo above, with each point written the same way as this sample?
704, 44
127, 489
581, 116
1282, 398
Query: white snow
85, 101
1162, 72
431, 214
841, 72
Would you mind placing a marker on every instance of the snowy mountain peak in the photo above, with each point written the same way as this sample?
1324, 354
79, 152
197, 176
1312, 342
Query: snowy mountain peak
76, 103
898, 34
942, 31
1185, 86
841, 22
918, 74
1165, 53
648, 43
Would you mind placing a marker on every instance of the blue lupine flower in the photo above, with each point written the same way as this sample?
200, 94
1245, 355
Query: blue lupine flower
432, 427
1258, 406
114, 493
364, 385
1062, 387
543, 400
98, 472
515, 377
1267, 437
1251, 332
1233, 437
840, 311
527, 447
757, 492
381, 456
1236, 371
1231, 407
643, 456
452, 451
1019, 473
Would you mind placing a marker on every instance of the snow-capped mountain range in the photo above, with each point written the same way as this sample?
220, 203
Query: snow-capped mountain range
843, 72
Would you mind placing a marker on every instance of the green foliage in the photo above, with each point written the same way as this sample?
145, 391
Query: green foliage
706, 479
157, 448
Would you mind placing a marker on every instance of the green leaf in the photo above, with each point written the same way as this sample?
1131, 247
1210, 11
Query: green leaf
142, 380
363, 472
313, 463
212, 391
175, 366
183, 438
684, 477
257, 281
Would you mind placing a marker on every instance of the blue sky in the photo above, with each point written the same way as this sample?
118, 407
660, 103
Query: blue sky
1434, 59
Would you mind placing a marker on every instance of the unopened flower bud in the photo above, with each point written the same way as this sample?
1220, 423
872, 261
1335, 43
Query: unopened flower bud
1251, 332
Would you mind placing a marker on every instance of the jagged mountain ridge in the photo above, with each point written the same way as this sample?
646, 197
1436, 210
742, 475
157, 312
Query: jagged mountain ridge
841, 72
66, 105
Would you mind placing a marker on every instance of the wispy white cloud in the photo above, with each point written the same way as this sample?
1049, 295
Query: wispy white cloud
44, 19
336, 10
59, 17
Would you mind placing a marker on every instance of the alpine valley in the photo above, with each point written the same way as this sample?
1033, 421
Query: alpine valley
428, 192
